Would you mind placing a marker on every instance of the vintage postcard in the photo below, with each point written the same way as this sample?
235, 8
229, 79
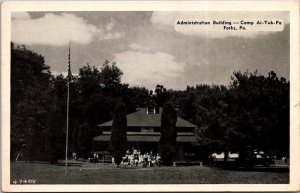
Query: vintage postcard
150, 96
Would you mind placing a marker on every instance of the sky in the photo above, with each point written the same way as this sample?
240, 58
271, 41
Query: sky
148, 49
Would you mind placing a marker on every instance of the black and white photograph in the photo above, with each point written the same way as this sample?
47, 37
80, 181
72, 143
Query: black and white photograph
151, 96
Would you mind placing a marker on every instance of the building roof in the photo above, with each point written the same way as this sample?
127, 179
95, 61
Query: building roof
140, 118
106, 138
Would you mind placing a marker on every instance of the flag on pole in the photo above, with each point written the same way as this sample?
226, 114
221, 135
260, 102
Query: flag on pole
69, 64
69, 78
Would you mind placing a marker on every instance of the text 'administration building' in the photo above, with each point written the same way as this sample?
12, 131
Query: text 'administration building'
143, 133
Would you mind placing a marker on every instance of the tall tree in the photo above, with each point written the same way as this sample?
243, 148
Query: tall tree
259, 112
30, 103
137, 96
161, 96
110, 76
119, 133
83, 140
95, 91
89, 80
167, 142
252, 111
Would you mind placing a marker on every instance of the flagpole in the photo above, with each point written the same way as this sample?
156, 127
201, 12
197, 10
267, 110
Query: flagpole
68, 98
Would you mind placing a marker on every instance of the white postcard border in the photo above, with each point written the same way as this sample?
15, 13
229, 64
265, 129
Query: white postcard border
291, 6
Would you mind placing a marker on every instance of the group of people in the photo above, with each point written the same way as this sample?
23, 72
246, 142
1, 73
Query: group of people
132, 158
136, 159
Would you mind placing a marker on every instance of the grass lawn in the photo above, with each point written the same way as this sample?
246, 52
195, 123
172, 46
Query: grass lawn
89, 173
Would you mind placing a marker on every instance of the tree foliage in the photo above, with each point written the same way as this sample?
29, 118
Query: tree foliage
33, 107
167, 142
119, 133
259, 109
252, 111
39, 105
161, 95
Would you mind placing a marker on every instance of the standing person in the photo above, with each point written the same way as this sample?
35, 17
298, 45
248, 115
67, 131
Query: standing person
113, 161
141, 159
91, 157
158, 160
136, 157
127, 153
74, 156
145, 160
94, 157
149, 160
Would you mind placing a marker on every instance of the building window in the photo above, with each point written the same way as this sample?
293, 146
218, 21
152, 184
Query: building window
134, 129
148, 129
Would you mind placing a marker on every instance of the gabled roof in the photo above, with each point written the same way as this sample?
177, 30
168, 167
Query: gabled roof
140, 118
